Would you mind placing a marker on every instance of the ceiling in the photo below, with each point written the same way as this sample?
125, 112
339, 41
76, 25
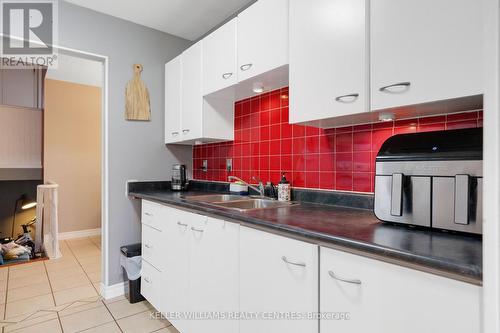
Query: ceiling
189, 19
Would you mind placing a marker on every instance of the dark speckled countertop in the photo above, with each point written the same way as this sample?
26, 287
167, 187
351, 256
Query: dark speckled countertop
351, 229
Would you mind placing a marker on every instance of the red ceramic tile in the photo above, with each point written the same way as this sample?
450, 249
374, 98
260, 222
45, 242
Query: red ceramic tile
275, 132
361, 162
327, 162
284, 98
237, 150
345, 129
299, 145
361, 182
275, 147
383, 125
275, 100
431, 127
246, 122
274, 163
359, 128
462, 116
405, 129
275, 116
264, 102
343, 161
312, 162
461, 124
264, 147
237, 109
254, 134
432, 120
310, 131
480, 114
286, 146
254, 149
312, 144
343, 142
379, 137
299, 179
299, 163
343, 181
264, 162
286, 130
327, 143
312, 179
245, 149
284, 115
265, 117
327, 180
265, 132
255, 119
286, 163
255, 105
362, 141
274, 176
298, 131
245, 108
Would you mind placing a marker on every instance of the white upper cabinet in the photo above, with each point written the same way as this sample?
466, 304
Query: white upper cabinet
328, 59
262, 38
192, 92
385, 298
219, 58
21, 87
173, 109
424, 50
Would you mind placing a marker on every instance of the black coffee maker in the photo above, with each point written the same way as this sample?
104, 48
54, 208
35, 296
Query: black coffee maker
179, 180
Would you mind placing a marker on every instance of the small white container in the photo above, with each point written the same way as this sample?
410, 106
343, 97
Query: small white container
284, 189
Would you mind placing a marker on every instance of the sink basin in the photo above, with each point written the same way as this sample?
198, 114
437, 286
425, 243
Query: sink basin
210, 198
238, 202
250, 204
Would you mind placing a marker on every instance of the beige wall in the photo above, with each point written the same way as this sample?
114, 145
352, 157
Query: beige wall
72, 152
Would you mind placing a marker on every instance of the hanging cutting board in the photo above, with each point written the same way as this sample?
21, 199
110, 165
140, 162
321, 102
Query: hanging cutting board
137, 97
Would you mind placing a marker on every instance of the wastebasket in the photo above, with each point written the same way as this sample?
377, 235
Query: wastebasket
131, 264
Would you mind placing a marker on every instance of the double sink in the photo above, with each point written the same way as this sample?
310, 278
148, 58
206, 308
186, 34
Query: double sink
238, 202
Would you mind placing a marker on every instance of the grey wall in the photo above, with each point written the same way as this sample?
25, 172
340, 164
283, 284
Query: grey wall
136, 149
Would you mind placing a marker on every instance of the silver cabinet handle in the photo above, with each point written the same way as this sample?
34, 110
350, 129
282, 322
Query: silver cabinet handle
148, 246
185, 131
148, 214
226, 76
147, 279
182, 224
301, 264
194, 229
349, 98
399, 84
245, 67
175, 133
354, 281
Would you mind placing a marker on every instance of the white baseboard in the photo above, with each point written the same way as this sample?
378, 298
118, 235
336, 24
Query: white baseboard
115, 290
80, 233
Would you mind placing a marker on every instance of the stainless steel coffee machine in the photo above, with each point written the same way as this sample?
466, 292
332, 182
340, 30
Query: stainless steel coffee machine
432, 179
179, 180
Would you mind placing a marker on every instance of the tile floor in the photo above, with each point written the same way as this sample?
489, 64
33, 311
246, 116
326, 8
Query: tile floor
62, 295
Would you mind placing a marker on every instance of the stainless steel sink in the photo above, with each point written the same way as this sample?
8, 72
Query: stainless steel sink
210, 198
238, 202
251, 204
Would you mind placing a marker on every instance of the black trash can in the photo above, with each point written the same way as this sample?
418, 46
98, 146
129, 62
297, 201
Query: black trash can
134, 286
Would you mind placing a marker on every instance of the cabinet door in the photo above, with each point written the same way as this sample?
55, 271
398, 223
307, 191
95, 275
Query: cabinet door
277, 274
20, 87
424, 50
328, 59
219, 58
262, 38
175, 276
214, 274
151, 284
192, 93
383, 298
173, 109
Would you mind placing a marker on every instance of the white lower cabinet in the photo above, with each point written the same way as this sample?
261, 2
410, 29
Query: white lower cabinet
278, 275
384, 298
151, 284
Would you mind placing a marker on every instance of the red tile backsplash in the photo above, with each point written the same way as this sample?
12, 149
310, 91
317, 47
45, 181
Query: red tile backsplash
332, 159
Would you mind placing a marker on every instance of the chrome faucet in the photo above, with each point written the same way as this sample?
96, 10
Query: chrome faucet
259, 189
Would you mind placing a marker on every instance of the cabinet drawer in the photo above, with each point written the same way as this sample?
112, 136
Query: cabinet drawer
152, 214
151, 284
152, 246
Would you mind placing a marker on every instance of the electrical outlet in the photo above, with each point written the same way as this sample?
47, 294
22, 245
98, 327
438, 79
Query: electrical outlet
229, 164
204, 166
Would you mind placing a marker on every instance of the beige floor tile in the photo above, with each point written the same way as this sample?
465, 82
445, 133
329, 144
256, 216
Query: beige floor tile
86, 319
96, 259
97, 287
28, 306
123, 308
65, 271
75, 294
3, 285
51, 326
27, 281
67, 282
94, 276
3, 296
169, 329
90, 268
111, 327
36, 270
114, 299
22, 321
38, 289
72, 308
80, 256
4, 271
141, 323
21, 267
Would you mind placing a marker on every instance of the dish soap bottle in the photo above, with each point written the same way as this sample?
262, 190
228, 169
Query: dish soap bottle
283, 189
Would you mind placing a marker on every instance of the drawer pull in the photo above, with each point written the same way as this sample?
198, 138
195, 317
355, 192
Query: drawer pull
175, 133
148, 214
198, 230
148, 246
185, 131
301, 264
245, 67
226, 76
147, 279
347, 98
395, 85
182, 224
353, 281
